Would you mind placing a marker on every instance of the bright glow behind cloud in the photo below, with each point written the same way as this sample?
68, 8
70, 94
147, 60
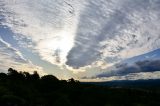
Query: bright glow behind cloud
50, 25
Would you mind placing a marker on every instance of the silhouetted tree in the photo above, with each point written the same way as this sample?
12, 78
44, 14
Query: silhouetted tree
50, 82
25, 89
49, 78
72, 81
12, 72
3, 76
35, 76
15, 75
27, 75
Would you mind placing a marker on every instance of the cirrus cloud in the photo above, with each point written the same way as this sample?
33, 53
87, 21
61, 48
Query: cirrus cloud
10, 57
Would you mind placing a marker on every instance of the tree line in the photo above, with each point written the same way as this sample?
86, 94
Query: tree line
25, 89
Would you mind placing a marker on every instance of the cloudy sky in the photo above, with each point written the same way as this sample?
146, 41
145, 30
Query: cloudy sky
90, 40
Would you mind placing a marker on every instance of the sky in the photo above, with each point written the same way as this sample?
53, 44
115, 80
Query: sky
89, 40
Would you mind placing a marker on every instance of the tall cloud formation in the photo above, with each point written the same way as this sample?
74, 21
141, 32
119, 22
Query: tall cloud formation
84, 33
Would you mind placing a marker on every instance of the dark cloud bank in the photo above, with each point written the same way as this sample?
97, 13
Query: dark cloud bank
137, 67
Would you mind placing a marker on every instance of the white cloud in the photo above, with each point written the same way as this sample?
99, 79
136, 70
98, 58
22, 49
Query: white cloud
50, 25
133, 76
115, 30
10, 57
85, 33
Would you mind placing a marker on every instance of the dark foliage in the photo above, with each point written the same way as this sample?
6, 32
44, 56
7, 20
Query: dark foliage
25, 89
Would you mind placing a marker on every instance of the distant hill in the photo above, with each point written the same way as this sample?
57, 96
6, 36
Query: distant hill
151, 83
